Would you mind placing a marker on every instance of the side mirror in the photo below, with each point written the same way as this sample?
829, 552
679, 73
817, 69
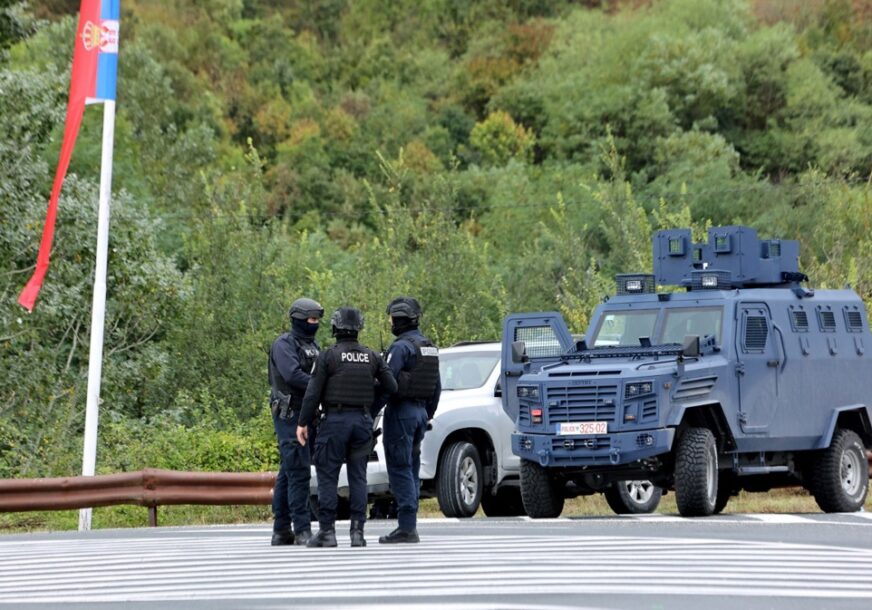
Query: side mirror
690, 346
498, 390
519, 352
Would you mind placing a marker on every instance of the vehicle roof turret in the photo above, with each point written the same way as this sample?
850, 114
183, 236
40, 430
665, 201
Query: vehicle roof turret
734, 254
733, 257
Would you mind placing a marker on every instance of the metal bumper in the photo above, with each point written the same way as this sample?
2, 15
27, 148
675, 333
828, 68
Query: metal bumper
613, 450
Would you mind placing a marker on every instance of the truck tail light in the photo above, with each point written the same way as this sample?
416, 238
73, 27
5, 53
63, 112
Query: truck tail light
536, 416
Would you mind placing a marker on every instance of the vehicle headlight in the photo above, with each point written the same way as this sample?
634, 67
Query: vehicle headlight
638, 388
528, 391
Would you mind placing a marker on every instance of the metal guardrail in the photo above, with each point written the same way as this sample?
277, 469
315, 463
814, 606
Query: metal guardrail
150, 487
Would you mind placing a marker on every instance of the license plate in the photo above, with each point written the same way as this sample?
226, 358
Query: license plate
583, 428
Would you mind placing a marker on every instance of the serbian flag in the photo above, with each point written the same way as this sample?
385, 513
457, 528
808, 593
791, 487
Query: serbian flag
95, 69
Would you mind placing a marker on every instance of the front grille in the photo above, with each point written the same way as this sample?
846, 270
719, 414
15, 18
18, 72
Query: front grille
581, 403
523, 415
649, 408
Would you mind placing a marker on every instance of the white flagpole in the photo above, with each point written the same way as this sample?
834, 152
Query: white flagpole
98, 310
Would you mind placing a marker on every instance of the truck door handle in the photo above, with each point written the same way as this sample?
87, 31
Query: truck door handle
783, 347
772, 363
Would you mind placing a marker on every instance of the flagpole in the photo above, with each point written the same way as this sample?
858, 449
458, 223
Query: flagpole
98, 310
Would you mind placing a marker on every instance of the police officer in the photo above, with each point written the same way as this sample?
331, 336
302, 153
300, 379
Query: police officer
343, 382
291, 358
414, 361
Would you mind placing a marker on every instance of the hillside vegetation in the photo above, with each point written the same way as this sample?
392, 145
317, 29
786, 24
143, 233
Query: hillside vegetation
486, 157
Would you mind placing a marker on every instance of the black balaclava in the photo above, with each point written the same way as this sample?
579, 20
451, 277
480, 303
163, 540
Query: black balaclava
303, 328
341, 334
401, 324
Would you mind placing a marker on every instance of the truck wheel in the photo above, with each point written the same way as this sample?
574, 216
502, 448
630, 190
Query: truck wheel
460, 480
506, 502
542, 496
725, 491
696, 473
840, 475
633, 497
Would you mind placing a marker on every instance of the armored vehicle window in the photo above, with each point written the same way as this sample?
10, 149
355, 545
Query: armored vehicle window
624, 328
756, 331
700, 321
466, 370
853, 319
539, 341
826, 319
799, 320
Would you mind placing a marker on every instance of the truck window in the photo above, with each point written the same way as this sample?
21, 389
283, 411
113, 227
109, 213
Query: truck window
624, 328
700, 321
466, 370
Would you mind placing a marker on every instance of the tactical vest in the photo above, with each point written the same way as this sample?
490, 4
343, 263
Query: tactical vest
351, 379
307, 353
420, 381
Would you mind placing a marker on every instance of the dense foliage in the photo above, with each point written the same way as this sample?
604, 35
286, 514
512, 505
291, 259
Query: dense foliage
484, 156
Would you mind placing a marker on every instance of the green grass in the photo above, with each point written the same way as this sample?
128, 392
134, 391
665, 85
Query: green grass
792, 500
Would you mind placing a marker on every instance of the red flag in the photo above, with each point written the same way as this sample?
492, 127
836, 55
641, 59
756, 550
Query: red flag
96, 35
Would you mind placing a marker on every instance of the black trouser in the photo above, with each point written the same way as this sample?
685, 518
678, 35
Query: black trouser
342, 437
291, 493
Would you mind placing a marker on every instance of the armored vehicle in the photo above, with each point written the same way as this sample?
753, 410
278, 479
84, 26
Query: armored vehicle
745, 379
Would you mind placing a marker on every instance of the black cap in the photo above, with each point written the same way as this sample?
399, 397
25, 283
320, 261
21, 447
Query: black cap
347, 319
404, 307
303, 309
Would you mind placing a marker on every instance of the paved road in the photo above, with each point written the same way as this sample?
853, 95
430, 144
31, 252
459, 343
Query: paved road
655, 562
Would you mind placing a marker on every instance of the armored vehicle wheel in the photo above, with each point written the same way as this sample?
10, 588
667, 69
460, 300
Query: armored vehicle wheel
506, 502
633, 497
725, 491
460, 480
696, 473
542, 495
840, 475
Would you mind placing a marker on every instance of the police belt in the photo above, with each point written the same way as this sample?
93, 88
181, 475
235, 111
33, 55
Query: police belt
338, 407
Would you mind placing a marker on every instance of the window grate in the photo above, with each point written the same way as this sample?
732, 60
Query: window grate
854, 320
756, 332
799, 321
827, 321
539, 341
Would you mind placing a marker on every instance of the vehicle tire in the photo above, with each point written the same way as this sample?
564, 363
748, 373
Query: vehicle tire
840, 475
460, 480
633, 497
383, 508
541, 494
725, 491
343, 508
696, 473
506, 502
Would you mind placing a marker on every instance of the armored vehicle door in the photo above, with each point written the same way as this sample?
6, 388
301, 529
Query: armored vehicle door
759, 348
530, 341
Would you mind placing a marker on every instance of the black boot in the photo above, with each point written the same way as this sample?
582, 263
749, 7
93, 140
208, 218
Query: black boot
282, 537
357, 538
400, 536
303, 537
324, 537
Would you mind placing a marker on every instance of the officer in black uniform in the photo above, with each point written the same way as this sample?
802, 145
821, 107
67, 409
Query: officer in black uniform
414, 361
344, 384
291, 358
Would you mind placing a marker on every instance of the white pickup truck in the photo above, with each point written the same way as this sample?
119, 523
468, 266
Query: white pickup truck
466, 456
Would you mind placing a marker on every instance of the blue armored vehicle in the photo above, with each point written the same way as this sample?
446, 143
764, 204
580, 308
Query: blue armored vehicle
744, 380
